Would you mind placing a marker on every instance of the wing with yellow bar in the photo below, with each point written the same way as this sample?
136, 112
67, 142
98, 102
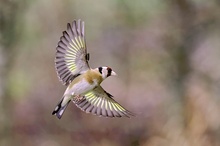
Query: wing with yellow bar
101, 103
71, 56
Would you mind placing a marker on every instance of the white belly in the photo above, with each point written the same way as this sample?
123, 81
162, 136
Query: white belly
80, 88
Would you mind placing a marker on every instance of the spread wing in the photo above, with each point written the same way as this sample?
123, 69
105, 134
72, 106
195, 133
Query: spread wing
101, 103
71, 56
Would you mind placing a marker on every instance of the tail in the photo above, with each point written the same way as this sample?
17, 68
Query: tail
60, 108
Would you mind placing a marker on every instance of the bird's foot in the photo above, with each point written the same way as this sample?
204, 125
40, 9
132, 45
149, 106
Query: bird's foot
78, 98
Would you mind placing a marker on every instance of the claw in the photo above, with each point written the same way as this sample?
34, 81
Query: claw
78, 98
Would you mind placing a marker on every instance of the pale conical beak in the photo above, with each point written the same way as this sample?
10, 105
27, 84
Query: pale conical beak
113, 73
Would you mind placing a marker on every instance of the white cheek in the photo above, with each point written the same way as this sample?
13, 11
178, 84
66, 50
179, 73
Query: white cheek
104, 74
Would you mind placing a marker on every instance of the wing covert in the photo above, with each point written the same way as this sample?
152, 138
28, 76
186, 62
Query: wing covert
101, 103
71, 56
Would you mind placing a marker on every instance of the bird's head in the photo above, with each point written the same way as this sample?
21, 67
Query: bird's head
106, 72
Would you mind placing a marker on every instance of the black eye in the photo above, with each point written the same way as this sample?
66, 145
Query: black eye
100, 70
109, 71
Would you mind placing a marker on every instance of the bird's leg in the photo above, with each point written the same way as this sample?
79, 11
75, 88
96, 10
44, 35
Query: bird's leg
78, 98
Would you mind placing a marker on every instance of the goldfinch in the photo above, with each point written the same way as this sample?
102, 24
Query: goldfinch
71, 63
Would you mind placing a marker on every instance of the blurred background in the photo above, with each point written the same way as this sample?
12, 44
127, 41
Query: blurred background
166, 55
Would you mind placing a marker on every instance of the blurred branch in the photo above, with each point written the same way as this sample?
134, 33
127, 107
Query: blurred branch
189, 30
182, 50
10, 16
128, 22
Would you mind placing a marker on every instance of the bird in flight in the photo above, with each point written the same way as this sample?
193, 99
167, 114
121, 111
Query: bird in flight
83, 82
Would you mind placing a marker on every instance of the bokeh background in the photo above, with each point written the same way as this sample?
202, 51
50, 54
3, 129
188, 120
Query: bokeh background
166, 55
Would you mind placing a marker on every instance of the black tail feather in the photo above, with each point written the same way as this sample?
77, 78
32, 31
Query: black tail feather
59, 110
